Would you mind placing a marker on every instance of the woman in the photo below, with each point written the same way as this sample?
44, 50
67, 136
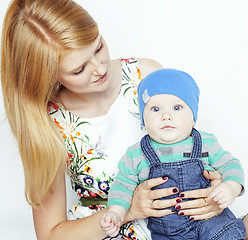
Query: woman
69, 105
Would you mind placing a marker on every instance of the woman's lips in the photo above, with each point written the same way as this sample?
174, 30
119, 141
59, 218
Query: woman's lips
101, 79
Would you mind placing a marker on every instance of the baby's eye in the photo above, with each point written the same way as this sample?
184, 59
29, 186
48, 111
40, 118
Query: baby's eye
155, 109
177, 108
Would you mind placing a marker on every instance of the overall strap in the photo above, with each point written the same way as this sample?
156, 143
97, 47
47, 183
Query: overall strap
148, 150
197, 146
152, 157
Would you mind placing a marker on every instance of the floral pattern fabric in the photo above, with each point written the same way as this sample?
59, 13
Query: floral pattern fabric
95, 145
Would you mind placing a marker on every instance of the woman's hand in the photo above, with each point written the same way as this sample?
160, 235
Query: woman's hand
201, 207
144, 203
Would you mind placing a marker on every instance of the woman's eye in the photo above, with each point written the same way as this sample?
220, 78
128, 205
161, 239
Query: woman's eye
155, 109
80, 71
98, 50
177, 108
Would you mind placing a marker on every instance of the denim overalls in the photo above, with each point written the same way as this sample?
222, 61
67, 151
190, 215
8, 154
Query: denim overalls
188, 175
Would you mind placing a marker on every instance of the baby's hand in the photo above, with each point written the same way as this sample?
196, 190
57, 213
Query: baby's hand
110, 223
225, 193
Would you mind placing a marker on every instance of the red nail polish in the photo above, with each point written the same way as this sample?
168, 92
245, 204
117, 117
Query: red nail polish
181, 213
178, 200
165, 178
191, 218
178, 207
181, 195
174, 190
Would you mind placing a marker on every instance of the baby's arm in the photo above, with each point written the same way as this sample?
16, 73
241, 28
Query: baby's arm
113, 219
225, 193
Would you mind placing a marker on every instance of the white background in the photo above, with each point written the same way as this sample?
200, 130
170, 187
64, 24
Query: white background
207, 39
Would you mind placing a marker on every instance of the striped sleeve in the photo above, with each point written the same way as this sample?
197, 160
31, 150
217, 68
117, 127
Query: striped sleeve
223, 161
124, 183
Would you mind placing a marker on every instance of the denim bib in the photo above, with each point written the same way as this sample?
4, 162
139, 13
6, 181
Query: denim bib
186, 175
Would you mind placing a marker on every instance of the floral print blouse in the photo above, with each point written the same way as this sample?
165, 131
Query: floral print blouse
95, 145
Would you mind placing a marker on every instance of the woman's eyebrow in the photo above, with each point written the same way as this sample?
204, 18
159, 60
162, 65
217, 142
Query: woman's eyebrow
80, 66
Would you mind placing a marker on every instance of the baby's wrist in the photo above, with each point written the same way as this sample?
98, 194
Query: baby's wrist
118, 210
235, 186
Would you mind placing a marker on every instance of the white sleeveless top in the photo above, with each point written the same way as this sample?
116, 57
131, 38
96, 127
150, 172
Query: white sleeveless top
95, 145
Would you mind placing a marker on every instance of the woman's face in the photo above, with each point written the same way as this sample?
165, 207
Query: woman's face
86, 70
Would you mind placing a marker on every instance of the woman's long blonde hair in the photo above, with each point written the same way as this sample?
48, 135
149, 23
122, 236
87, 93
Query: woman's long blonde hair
35, 35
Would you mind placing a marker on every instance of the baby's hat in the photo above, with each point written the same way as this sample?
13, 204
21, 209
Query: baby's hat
169, 81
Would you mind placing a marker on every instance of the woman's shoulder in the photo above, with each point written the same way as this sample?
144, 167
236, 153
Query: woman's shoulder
148, 65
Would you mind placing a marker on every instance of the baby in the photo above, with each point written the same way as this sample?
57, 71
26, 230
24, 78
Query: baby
168, 103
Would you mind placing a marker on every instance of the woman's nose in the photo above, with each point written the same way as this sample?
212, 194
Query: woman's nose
98, 68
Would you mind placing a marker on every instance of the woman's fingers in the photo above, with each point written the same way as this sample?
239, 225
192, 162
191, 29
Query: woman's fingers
162, 204
197, 203
200, 204
145, 203
199, 193
203, 208
158, 193
213, 176
158, 208
160, 213
163, 192
201, 213
153, 182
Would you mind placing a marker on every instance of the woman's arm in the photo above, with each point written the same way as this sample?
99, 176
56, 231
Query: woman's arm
50, 219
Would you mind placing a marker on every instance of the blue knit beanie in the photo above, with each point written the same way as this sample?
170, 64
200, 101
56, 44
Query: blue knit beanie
169, 81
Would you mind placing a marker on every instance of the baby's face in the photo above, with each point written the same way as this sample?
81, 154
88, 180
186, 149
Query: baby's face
168, 119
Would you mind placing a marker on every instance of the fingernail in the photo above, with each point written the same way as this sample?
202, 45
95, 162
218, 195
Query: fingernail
191, 218
181, 213
178, 207
181, 195
174, 190
165, 178
178, 200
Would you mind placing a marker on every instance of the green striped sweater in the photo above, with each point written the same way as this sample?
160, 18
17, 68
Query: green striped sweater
134, 167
